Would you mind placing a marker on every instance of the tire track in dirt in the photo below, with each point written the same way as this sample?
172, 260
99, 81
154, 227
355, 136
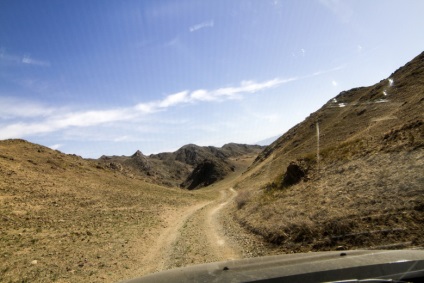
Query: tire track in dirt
191, 236
156, 257
223, 247
201, 238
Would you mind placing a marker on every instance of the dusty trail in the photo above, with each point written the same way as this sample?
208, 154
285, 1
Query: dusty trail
203, 232
156, 256
220, 244
193, 235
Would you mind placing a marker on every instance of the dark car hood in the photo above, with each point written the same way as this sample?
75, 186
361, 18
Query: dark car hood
307, 267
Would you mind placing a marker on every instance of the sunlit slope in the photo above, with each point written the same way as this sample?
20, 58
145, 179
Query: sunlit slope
64, 218
367, 187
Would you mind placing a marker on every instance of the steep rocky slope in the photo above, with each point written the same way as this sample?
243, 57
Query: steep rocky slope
348, 176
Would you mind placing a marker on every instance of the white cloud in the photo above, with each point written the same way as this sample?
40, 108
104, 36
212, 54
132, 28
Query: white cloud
91, 118
174, 99
147, 108
334, 83
20, 129
219, 94
45, 119
201, 95
247, 87
56, 121
197, 27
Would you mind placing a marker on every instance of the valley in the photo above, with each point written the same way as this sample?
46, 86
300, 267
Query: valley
348, 177
67, 219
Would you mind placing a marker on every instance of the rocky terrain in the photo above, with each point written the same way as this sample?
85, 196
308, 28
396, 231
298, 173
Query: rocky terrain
185, 167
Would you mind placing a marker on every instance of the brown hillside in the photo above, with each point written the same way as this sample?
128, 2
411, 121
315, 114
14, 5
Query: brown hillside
366, 190
67, 219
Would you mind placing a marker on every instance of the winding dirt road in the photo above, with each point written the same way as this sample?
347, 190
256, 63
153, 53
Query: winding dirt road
193, 235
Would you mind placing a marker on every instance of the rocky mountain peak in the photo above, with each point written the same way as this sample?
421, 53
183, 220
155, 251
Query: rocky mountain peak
138, 153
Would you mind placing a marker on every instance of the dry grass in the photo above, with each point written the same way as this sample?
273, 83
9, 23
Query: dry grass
66, 219
360, 203
365, 193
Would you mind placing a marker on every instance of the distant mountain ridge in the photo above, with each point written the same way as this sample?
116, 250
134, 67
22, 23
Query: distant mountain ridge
180, 168
267, 141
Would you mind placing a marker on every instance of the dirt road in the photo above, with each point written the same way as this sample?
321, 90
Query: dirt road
193, 235
200, 233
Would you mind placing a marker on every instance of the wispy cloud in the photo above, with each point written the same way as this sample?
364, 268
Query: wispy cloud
56, 121
207, 24
321, 72
219, 94
8, 58
30, 61
21, 118
174, 99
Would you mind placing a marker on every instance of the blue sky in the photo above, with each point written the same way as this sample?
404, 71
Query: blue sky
110, 77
